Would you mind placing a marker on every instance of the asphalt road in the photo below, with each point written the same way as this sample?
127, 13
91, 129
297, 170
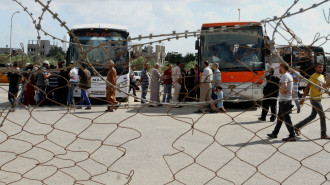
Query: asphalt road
52, 145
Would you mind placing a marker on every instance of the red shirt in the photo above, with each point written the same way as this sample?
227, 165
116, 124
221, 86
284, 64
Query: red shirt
167, 76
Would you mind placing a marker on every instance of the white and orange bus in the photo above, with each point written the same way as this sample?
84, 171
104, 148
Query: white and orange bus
91, 35
238, 48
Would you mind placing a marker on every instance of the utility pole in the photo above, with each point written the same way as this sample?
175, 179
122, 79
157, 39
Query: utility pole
239, 14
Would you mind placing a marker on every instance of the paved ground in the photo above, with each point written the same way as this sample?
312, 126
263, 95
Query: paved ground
53, 146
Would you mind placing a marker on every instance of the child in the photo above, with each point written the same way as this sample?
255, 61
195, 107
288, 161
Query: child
219, 94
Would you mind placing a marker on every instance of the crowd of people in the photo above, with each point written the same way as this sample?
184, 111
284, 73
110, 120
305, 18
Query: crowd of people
47, 85
186, 85
54, 85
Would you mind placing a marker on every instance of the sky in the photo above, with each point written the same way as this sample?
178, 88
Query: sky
143, 17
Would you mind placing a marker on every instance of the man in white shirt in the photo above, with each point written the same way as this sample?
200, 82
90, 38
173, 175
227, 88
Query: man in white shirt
285, 105
176, 81
73, 82
206, 87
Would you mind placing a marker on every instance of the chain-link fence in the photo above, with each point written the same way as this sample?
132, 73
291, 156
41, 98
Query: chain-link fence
52, 142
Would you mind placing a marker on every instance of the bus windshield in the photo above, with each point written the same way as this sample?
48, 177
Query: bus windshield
308, 56
234, 49
117, 51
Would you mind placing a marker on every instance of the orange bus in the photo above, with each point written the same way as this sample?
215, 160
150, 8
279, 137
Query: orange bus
238, 48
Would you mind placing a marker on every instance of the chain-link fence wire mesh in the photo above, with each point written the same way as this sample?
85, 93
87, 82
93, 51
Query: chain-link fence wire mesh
85, 150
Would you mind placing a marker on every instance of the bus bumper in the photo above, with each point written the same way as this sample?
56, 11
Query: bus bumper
242, 91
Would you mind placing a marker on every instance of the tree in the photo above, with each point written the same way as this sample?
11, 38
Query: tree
173, 57
57, 53
189, 57
139, 63
189, 65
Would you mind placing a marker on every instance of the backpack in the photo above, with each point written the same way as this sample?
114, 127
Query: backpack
85, 82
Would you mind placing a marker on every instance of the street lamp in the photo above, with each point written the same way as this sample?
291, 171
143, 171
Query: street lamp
11, 28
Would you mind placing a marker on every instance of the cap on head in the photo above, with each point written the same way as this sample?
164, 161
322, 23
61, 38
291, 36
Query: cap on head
46, 62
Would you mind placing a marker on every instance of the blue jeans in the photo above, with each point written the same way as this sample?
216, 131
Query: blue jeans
167, 92
84, 97
316, 109
22, 93
284, 115
295, 98
72, 86
144, 92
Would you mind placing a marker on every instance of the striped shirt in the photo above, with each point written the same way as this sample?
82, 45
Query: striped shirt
53, 79
144, 77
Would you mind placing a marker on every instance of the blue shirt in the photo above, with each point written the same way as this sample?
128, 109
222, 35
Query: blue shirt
295, 84
145, 77
220, 97
216, 77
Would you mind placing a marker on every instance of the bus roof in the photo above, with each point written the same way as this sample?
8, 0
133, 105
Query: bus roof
100, 26
219, 24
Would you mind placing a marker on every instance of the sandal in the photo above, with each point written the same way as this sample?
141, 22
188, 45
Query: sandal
297, 131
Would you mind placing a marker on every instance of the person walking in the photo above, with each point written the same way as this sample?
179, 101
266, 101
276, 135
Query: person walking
205, 88
111, 89
133, 86
176, 81
295, 87
14, 77
144, 82
316, 97
216, 80
84, 84
270, 91
154, 85
167, 84
285, 105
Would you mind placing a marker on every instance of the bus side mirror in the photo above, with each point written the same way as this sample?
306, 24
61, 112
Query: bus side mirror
68, 55
197, 45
